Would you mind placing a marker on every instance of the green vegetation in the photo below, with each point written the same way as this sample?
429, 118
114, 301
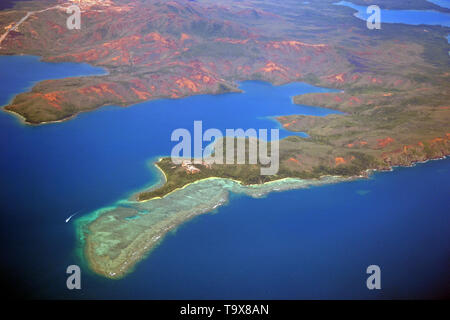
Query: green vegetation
177, 177
394, 84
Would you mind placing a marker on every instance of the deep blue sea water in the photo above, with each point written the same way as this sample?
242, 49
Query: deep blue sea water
314, 243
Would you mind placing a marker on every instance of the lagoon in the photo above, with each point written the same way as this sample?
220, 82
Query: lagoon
308, 243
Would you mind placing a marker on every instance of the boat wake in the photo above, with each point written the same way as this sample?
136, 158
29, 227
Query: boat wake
72, 215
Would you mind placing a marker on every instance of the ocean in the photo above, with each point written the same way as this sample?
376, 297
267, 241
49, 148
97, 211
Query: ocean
412, 17
308, 243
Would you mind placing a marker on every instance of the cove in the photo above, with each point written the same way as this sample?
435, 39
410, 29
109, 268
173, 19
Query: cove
441, 3
306, 243
51, 171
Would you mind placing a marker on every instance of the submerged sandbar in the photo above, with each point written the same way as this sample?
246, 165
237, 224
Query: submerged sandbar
116, 238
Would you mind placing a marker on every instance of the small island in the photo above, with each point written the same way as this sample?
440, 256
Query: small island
393, 93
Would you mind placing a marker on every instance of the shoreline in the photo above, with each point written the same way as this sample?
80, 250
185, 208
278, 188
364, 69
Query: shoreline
281, 180
96, 108
367, 174
237, 181
21, 118
144, 243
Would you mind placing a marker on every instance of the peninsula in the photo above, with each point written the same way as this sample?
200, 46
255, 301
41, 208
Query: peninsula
394, 93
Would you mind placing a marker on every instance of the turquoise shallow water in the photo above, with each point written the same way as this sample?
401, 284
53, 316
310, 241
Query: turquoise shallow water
52, 171
441, 3
309, 243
